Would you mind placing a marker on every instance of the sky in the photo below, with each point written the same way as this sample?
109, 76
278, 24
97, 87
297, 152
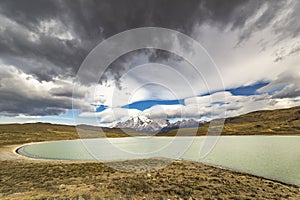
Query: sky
50, 60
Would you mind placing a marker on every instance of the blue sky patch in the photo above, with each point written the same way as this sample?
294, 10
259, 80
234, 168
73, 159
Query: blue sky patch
143, 105
101, 108
248, 90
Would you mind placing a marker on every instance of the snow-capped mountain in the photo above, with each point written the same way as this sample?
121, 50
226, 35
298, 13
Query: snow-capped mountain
145, 124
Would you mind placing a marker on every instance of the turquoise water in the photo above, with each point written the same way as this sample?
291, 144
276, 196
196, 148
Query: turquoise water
275, 157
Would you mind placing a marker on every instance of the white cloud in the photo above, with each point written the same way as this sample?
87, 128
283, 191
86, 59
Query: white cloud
252, 60
164, 111
111, 114
201, 108
55, 28
286, 85
152, 81
22, 31
208, 99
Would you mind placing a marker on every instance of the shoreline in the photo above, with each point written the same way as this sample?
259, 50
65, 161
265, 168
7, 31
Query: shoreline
246, 173
14, 150
152, 178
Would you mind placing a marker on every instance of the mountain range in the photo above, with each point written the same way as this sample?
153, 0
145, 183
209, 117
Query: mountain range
146, 124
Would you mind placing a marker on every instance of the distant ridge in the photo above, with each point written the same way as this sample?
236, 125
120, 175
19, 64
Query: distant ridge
265, 122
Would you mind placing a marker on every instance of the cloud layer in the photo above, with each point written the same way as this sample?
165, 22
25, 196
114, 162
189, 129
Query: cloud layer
42, 45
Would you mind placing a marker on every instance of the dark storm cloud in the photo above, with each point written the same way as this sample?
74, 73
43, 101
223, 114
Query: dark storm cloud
13, 103
66, 90
136, 58
31, 102
265, 13
287, 85
22, 94
90, 22
18, 104
79, 25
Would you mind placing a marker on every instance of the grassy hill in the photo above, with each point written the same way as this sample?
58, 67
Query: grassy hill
37, 132
34, 132
268, 122
265, 122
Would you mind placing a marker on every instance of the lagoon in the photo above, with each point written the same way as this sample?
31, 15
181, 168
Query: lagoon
274, 157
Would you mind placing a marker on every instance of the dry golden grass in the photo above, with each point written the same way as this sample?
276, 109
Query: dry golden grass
179, 180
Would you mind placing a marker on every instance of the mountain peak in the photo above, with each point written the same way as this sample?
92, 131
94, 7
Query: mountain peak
145, 124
